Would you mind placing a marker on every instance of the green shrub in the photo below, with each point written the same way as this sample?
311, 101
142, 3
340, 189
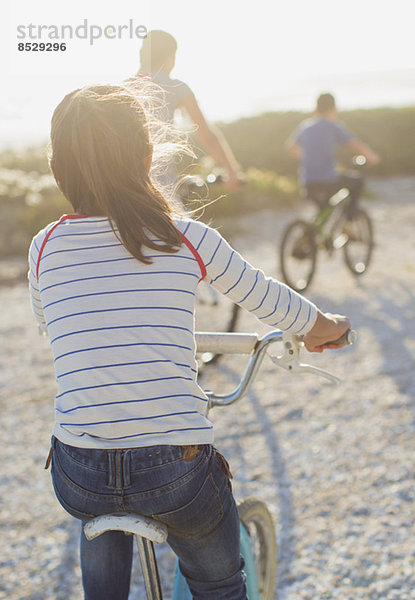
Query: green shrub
28, 202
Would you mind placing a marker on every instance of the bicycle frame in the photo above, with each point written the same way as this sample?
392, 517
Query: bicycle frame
336, 204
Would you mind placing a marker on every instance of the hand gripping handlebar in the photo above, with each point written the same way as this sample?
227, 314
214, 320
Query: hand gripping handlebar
289, 359
237, 343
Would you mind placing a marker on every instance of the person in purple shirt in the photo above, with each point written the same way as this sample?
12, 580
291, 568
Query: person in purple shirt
315, 143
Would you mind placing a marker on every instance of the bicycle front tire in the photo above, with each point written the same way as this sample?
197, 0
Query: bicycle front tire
258, 522
298, 255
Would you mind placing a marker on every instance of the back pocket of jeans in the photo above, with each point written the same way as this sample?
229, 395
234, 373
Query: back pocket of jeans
198, 517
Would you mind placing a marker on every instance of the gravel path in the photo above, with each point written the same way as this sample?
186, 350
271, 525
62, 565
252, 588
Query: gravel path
334, 464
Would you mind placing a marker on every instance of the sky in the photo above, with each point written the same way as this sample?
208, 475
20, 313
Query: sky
240, 58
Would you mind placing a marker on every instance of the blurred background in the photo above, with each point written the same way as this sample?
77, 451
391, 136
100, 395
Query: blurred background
255, 69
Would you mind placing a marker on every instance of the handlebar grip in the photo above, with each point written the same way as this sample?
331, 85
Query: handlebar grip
348, 338
226, 343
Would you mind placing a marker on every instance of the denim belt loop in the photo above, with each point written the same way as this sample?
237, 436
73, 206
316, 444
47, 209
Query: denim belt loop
126, 468
119, 467
111, 468
51, 450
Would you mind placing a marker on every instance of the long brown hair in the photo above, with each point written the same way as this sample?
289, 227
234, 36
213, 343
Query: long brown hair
100, 153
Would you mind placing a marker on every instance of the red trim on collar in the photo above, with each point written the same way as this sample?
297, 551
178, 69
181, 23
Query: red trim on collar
61, 220
74, 216
195, 254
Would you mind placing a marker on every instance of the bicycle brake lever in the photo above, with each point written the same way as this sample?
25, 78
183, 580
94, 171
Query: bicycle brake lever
317, 371
289, 359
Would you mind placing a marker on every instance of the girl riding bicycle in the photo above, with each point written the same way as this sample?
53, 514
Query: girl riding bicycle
113, 285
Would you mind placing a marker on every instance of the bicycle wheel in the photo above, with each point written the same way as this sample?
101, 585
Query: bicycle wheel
214, 312
359, 246
298, 255
259, 525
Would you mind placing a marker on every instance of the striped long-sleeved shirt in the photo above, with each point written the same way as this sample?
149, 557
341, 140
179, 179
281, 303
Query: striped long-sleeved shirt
122, 332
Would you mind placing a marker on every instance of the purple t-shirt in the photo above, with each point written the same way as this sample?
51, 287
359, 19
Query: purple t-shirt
318, 139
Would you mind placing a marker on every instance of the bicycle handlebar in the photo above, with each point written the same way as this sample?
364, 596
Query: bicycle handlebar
347, 339
245, 343
226, 343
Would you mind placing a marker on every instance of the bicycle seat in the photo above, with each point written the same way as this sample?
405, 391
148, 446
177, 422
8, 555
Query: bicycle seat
129, 523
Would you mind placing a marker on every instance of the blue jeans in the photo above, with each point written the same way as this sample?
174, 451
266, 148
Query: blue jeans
188, 491
321, 191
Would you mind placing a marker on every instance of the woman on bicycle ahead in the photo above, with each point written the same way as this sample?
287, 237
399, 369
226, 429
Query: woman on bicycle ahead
157, 60
113, 285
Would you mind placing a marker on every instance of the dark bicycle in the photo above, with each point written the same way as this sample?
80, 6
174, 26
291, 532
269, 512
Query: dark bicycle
330, 230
